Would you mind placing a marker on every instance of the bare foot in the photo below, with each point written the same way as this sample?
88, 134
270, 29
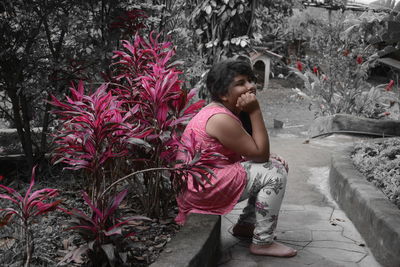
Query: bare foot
274, 249
243, 230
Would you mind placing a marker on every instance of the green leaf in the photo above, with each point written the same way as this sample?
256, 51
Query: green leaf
208, 9
199, 31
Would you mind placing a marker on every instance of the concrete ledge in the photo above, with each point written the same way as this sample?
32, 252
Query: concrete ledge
375, 217
195, 245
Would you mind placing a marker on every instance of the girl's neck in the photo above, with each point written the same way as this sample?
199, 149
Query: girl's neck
215, 103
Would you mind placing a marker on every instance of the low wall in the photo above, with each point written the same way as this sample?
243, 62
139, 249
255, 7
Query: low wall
195, 245
375, 217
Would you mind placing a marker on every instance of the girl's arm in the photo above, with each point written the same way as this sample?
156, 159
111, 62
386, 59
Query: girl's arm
233, 136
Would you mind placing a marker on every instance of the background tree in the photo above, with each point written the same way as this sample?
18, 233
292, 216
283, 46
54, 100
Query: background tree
44, 46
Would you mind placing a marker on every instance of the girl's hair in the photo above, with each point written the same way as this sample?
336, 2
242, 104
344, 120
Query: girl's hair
222, 74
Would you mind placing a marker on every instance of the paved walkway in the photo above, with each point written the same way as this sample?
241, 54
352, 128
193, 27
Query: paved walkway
310, 220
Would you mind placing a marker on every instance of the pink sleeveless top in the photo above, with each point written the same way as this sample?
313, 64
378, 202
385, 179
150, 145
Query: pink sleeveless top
220, 197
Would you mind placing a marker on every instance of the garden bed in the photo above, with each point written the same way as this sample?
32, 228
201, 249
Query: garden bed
379, 161
53, 242
374, 216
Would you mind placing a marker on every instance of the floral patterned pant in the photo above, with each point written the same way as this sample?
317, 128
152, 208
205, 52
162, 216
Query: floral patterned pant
266, 183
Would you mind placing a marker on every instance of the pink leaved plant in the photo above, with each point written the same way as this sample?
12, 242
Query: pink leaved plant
196, 163
26, 208
102, 230
29, 206
129, 124
130, 22
94, 131
150, 80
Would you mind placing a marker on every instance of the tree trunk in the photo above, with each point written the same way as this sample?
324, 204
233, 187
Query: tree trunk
19, 106
26, 118
45, 126
254, 5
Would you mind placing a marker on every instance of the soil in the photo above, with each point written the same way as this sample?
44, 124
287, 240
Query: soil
53, 242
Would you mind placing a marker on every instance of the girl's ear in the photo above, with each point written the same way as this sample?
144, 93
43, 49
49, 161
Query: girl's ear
223, 98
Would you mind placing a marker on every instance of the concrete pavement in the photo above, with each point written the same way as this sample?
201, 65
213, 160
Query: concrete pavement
310, 220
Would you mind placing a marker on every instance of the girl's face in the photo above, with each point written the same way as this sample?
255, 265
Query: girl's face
241, 84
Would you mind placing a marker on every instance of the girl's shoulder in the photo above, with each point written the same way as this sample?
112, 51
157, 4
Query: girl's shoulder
212, 109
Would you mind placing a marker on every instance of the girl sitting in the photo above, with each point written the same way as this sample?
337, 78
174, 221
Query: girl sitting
249, 171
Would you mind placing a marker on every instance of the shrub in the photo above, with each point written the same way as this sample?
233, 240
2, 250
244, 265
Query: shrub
27, 208
103, 232
336, 70
134, 122
94, 132
346, 91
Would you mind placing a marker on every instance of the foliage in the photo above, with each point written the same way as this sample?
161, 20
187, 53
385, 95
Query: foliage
136, 125
345, 91
196, 162
45, 45
151, 82
379, 161
336, 70
94, 132
390, 4
129, 23
233, 28
103, 232
216, 23
134, 122
387, 38
270, 25
379, 29
27, 208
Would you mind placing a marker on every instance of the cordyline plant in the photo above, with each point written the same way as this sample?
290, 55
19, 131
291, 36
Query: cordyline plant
26, 209
149, 79
195, 161
94, 132
103, 231
131, 123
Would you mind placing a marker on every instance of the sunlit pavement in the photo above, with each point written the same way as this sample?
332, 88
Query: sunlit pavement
310, 221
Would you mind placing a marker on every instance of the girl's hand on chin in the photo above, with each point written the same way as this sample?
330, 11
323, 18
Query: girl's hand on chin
247, 102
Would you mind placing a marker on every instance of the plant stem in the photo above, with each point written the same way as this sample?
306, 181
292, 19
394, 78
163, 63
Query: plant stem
133, 174
28, 246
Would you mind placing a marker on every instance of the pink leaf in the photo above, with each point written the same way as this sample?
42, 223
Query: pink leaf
92, 207
7, 197
115, 203
12, 192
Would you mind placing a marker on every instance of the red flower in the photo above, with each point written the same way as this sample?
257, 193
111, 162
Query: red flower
359, 59
1, 177
389, 86
299, 65
386, 113
315, 69
346, 53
